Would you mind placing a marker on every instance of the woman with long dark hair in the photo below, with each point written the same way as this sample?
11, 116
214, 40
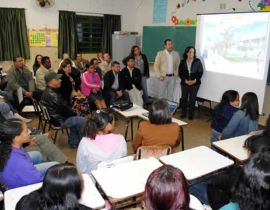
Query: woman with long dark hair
99, 143
223, 112
69, 85
61, 189
252, 189
141, 63
16, 165
37, 63
167, 188
245, 119
190, 72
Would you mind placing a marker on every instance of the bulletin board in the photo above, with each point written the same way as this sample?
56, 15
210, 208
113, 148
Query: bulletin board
43, 37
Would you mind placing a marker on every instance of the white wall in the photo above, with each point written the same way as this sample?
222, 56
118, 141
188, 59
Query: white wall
145, 10
37, 17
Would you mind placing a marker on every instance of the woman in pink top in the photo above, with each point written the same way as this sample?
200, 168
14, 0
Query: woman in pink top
91, 86
99, 144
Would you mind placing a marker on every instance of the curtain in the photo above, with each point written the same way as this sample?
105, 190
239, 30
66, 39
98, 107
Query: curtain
111, 23
13, 34
67, 41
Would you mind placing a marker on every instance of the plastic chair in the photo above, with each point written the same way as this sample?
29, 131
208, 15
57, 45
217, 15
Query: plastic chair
153, 151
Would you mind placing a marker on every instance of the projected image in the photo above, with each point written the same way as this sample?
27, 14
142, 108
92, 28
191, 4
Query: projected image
235, 44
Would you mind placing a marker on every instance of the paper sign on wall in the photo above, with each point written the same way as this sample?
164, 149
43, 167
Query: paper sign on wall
43, 37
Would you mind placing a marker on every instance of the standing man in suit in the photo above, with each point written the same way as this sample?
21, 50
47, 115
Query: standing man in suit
166, 69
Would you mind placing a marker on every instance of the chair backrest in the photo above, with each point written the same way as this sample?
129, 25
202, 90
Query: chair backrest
45, 113
36, 106
153, 151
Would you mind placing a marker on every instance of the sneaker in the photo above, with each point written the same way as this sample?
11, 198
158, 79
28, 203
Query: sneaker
17, 116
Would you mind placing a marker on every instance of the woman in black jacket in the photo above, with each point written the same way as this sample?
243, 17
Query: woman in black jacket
141, 63
69, 84
190, 72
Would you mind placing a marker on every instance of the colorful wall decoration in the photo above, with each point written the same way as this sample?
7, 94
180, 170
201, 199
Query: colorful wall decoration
264, 5
182, 22
43, 37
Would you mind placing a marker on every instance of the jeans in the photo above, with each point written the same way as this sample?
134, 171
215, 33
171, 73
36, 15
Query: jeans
37, 159
189, 94
49, 151
144, 89
214, 136
199, 190
74, 124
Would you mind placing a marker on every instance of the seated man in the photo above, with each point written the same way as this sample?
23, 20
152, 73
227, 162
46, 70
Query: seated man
130, 80
60, 113
44, 67
80, 62
105, 64
112, 90
19, 76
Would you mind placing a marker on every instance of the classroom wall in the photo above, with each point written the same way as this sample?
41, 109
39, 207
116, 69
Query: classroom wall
145, 13
38, 18
145, 10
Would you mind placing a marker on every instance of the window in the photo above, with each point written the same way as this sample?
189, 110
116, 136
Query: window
89, 33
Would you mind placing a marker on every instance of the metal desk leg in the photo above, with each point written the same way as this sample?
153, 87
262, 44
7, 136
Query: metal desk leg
126, 131
131, 127
182, 135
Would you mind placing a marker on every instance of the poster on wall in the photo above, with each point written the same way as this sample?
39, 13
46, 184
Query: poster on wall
160, 11
43, 37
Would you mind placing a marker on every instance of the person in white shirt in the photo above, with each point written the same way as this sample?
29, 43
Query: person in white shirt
99, 144
166, 69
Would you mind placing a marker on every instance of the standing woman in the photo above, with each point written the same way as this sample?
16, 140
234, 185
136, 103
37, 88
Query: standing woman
37, 63
245, 119
190, 72
141, 63
68, 84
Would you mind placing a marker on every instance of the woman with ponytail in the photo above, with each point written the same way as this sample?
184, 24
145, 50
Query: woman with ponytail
98, 143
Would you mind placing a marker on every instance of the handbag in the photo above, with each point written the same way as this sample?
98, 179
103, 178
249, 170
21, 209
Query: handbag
122, 104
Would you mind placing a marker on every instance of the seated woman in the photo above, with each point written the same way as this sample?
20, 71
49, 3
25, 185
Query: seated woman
223, 113
159, 130
91, 86
220, 186
98, 143
167, 188
62, 188
245, 119
16, 167
252, 189
69, 87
